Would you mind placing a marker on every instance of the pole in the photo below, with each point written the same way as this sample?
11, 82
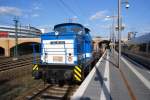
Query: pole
110, 28
113, 26
16, 39
119, 31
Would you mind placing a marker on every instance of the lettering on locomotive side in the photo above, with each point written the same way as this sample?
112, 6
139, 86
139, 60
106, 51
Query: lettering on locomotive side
57, 42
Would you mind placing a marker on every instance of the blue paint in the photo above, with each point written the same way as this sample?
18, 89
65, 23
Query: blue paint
76, 32
34, 54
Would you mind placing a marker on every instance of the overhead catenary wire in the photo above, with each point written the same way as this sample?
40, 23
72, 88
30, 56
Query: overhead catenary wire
7, 23
62, 8
80, 10
68, 7
76, 11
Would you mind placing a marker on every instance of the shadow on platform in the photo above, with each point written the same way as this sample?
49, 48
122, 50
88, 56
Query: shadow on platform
101, 80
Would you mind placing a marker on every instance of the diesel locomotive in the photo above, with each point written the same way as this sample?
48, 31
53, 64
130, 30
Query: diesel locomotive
66, 54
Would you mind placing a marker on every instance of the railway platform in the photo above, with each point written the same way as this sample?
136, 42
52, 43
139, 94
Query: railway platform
107, 81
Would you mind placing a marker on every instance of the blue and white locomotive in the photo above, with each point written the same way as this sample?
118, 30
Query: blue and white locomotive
66, 54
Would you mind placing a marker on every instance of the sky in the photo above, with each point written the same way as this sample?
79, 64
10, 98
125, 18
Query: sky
90, 13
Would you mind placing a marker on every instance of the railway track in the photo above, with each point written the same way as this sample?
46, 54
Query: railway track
145, 61
49, 92
23, 61
10, 59
3, 58
4, 68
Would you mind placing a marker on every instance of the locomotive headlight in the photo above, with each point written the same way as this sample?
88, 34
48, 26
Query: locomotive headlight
70, 57
56, 33
45, 58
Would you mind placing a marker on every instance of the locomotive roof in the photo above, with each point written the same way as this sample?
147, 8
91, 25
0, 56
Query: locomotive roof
64, 24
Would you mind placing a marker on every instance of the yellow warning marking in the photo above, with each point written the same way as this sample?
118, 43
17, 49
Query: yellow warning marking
78, 68
35, 67
77, 72
77, 77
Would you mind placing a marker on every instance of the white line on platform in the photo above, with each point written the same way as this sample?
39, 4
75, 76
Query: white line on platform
137, 64
105, 93
141, 66
138, 74
80, 91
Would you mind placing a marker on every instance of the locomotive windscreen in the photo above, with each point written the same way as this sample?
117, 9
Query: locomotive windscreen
68, 27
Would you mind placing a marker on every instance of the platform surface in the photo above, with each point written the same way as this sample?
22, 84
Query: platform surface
107, 81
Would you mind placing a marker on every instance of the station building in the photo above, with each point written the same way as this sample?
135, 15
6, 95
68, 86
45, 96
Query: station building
23, 31
26, 36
